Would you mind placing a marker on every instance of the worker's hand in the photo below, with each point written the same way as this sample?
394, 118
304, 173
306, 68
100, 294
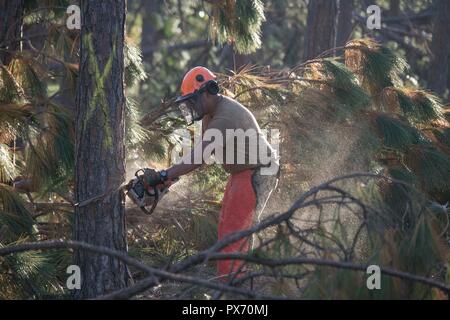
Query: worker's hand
167, 183
165, 180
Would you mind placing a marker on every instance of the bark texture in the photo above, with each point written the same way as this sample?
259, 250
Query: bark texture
344, 23
100, 153
10, 27
321, 27
440, 48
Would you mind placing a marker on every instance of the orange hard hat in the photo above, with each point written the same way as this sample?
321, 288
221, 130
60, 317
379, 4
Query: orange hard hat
193, 81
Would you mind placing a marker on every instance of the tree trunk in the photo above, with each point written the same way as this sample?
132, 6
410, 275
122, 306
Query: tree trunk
100, 154
344, 23
321, 27
10, 27
150, 35
239, 60
438, 72
394, 8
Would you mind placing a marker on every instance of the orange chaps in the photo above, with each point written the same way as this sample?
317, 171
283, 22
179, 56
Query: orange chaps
239, 204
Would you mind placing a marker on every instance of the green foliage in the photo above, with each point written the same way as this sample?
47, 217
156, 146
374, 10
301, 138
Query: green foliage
12, 115
443, 135
134, 69
10, 90
203, 230
28, 274
418, 105
51, 151
345, 85
380, 66
213, 179
397, 134
15, 219
134, 132
404, 234
238, 22
30, 76
432, 167
7, 166
391, 241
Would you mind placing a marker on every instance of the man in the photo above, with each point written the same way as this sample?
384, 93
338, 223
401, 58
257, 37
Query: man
250, 183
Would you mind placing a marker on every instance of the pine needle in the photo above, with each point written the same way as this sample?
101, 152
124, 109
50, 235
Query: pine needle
134, 68
397, 134
432, 167
417, 105
377, 66
238, 22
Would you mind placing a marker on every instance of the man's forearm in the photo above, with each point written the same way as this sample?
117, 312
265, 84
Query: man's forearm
188, 163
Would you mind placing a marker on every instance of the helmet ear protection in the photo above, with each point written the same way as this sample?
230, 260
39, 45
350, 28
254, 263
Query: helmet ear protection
211, 86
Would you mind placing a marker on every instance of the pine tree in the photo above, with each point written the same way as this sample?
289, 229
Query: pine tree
100, 151
26, 116
321, 27
440, 48
37, 144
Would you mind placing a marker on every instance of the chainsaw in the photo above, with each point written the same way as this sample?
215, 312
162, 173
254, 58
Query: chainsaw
145, 194
139, 190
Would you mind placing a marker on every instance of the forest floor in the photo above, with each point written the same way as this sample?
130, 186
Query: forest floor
177, 229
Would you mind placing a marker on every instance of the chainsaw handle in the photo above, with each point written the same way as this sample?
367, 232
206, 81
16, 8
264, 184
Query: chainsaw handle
155, 203
144, 210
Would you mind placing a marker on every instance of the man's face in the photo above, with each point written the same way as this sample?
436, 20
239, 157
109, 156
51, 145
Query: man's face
191, 103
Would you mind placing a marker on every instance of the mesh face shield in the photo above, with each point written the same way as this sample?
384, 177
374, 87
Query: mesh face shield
186, 112
189, 110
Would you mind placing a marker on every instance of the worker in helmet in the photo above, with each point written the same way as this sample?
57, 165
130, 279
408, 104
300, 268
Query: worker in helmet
250, 184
